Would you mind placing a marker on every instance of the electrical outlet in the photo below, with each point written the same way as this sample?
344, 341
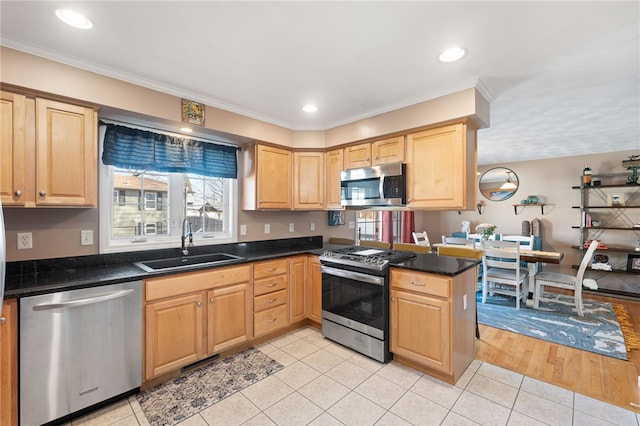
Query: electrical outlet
24, 240
243, 229
86, 238
267, 228
464, 302
291, 227
312, 227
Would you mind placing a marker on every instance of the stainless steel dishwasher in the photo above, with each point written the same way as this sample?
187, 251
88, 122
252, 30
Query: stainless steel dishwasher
78, 348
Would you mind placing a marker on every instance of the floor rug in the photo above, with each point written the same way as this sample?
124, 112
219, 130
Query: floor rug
172, 402
557, 321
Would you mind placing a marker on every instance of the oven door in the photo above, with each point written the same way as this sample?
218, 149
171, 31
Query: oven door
355, 300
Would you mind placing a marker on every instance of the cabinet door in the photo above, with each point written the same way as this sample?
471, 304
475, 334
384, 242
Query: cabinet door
334, 164
173, 334
315, 290
357, 156
228, 317
297, 288
9, 363
388, 151
66, 155
274, 178
308, 185
12, 149
420, 329
441, 167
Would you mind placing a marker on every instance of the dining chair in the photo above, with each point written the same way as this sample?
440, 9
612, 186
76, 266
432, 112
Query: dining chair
564, 281
468, 252
376, 244
421, 238
416, 248
526, 242
478, 237
346, 241
502, 271
457, 241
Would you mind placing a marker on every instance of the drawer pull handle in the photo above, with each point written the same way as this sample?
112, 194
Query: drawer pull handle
418, 283
43, 193
212, 300
271, 321
272, 300
272, 269
272, 284
18, 193
199, 304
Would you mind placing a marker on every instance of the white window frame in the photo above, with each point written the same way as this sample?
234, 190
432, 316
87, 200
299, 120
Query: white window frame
176, 215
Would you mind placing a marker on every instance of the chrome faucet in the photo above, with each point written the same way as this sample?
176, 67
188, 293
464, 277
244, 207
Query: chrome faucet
186, 234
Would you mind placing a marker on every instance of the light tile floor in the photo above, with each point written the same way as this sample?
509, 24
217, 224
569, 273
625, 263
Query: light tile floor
325, 384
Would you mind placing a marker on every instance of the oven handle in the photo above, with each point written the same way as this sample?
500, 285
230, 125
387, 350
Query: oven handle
371, 279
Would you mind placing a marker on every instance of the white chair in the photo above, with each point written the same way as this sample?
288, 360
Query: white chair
567, 282
421, 238
525, 242
478, 237
456, 241
502, 271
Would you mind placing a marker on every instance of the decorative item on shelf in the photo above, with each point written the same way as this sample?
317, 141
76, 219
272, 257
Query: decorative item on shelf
486, 230
336, 217
526, 228
466, 227
600, 262
615, 200
586, 176
532, 199
633, 263
192, 112
596, 223
596, 182
601, 244
633, 164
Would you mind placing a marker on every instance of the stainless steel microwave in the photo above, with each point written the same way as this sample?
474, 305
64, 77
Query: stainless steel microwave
374, 186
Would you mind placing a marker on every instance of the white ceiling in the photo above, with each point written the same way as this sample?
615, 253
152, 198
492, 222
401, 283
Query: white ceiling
563, 78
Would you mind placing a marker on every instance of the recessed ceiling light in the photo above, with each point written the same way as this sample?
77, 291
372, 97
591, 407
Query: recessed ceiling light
186, 129
452, 54
310, 108
74, 19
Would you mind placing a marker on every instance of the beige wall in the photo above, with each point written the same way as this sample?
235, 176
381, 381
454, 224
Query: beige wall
552, 181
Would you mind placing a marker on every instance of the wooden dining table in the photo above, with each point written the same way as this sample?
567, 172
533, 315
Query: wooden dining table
533, 259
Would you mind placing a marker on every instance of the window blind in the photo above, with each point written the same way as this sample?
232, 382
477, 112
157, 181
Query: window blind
138, 149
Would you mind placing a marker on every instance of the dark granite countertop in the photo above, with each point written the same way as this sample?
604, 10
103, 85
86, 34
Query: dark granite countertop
29, 278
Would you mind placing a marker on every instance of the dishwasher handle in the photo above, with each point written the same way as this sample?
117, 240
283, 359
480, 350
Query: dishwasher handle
81, 302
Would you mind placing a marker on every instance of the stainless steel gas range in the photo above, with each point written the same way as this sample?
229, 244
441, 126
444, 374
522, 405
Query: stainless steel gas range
355, 298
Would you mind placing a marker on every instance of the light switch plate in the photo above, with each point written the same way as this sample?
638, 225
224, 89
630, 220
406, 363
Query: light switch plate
267, 228
24, 240
312, 227
291, 227
86, 238
243, 229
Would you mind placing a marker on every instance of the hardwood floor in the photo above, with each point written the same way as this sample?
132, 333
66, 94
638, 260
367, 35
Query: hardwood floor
601, 377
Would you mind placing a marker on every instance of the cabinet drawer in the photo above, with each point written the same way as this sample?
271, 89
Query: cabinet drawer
269, 300
267, 285
270, 268
270, 320
435, 285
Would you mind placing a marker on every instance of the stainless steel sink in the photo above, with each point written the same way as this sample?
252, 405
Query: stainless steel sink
187, 261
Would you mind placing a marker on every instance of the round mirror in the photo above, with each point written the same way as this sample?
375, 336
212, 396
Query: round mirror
498, 184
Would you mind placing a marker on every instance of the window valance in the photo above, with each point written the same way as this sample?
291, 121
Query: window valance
138, 149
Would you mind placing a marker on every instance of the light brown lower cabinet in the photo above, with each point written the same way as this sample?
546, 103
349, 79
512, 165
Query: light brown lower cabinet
191, 316
298, 288
432, 322
270, 308
9, 363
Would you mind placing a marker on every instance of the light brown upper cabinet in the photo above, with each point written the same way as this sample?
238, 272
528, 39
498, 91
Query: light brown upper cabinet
49, 153
441, 168
12, 149
334, 163
267, 182
308, 182
384, 151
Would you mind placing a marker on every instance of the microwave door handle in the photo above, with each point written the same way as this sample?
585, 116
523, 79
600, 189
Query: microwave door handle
381, 187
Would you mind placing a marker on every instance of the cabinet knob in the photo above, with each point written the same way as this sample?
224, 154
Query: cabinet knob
199, 304
18, 193
212, 300
260, 201
409, 200
43, 193
2, 320
393, 299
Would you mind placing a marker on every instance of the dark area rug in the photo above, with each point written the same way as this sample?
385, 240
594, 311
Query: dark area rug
172, 402
557, 321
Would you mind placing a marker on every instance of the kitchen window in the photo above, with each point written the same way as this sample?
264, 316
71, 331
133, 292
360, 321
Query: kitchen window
144, 209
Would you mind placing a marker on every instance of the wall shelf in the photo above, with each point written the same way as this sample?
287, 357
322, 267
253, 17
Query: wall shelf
515, 207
